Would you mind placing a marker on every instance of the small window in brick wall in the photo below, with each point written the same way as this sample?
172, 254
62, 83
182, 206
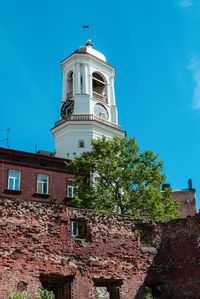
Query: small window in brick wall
78, 229
107, 288
145, 234
59, 285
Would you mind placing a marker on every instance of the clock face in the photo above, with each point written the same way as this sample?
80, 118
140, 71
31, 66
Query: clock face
101, 111
67, 108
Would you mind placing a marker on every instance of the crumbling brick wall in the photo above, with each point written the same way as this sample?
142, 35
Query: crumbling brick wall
36, 246
35, 239
175, 271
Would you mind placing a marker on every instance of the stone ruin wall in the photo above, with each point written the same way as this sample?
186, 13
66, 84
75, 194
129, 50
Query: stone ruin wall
36, 242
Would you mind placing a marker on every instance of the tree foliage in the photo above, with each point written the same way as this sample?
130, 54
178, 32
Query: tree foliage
41, 294
123, 179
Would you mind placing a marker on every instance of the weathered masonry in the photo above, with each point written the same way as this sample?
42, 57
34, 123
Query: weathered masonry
77, 253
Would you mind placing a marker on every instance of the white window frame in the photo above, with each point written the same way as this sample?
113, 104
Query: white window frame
39, 182
74, 188
14, 180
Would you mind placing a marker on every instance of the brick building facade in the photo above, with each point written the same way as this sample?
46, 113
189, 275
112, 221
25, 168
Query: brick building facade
30, 167
187, 201
58, 187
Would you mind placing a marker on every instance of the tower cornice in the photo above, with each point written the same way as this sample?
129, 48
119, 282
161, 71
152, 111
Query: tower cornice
87, 56
83, 119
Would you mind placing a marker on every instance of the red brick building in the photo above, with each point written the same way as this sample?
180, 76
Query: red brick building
187, 200
39, 177
44, 177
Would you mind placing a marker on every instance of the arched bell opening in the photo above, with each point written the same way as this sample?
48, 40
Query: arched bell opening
99, 87
70, 85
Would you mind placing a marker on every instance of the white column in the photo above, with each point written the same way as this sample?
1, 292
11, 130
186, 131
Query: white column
109, 93
85, 79
89, 81
64, 91
112, 91
78, 79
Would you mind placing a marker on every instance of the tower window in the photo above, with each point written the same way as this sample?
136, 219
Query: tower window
13, 180
70, 85
81, 82
81, 143
42, 184
99, 87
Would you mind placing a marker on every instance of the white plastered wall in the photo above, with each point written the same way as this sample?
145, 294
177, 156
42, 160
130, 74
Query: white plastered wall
68, 133
84, 66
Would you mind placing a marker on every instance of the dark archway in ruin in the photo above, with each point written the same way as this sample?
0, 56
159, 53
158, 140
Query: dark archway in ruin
59, 285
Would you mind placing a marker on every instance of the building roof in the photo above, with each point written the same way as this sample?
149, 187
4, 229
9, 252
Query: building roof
87, 49
33, 160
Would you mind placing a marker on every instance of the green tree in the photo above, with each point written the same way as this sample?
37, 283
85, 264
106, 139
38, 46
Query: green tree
16, 295
42, 294
124, 180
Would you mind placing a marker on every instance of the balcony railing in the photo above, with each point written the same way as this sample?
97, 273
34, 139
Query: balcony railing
86, 117
100, 97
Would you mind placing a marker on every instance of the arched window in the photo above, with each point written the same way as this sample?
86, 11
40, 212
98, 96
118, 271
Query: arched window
99, 87
81, 84
70, 85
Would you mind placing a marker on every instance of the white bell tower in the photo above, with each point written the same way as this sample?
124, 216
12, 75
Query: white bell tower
88, 109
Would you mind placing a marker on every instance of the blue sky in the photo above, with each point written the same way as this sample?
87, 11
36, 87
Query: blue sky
155, 47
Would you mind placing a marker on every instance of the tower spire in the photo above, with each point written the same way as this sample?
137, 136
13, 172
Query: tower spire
88, 44
89, 40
